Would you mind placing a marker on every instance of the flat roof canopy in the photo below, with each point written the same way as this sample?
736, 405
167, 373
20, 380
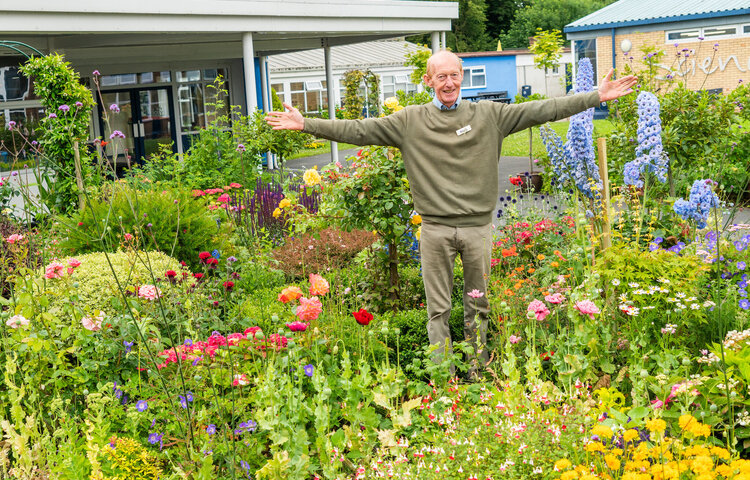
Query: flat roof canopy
103, 32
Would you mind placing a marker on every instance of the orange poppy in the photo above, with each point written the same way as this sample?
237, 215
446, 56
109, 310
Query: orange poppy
554, 264
509, 252
532, 270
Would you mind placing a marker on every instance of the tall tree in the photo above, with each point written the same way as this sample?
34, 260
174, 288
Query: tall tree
500, 14
547, 15
469, 32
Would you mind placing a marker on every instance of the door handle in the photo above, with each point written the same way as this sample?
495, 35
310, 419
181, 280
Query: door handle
140, 127
135, 130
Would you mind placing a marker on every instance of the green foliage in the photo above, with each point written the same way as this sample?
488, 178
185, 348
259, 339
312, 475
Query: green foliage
96, 288
354, 104
546, 15
171, 221
126, 459
469, 32
276, 103
418, 60
57, 85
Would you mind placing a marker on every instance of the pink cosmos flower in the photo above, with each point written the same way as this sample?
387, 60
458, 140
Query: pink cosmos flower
15, 238
555, 298
475, 294
309, 308
149, 292
17, 321
318, 285
587, 307
93, 324
297, 326
539, 309
54, 270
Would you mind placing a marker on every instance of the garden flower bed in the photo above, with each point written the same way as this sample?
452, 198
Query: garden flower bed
274, 327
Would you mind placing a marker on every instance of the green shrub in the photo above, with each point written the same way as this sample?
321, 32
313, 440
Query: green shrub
170, 221
96, 285
129, 460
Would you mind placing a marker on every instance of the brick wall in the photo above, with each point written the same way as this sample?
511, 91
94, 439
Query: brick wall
726, 67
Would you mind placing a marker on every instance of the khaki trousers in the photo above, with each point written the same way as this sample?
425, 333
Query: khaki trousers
439, 245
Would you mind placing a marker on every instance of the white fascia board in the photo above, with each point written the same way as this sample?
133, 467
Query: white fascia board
109, 23
220, 8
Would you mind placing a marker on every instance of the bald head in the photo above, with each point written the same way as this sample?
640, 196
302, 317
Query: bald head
443, 57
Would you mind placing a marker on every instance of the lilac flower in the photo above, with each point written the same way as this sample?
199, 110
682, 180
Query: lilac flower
11, 125
52, 115
309, 369
240, 148
141, 405
114, 108
63, 108
78, 104
211, 429
649, 153
116, 134
702, 200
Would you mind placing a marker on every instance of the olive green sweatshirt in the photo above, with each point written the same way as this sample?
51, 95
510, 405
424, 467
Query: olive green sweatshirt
451, 156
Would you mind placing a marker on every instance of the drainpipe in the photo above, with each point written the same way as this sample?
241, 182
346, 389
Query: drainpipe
614, 51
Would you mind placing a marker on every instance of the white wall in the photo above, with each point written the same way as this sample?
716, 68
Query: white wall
549, 84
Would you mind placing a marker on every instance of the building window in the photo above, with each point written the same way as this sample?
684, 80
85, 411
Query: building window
586, 49
279, 89
197, 99
552, 72
309, 96
474, 77
696, 34
390, 84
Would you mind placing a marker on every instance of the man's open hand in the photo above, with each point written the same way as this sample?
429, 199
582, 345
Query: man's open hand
291, 119
610, 89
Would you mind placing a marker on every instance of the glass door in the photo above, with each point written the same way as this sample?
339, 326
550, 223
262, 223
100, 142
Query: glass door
144, 116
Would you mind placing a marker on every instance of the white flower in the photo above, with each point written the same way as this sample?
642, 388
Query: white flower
17, 321
633, 285
615, 281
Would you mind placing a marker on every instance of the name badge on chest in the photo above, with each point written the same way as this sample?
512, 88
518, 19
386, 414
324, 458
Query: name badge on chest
463, 130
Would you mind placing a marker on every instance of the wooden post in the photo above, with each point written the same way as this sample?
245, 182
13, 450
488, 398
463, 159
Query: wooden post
79, 175
607, 227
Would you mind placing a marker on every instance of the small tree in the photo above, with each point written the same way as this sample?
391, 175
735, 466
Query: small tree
547, 50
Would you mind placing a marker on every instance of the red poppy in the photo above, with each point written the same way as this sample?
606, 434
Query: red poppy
212, 262
516, 181
362, 316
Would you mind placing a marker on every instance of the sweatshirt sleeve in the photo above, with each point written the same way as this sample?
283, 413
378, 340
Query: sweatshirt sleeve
386, 131
513, 118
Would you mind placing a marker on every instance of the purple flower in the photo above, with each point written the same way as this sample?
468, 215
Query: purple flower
309, 369
240, 148
114, 108
141, 405
128, 345
197, 359
231, 259
14, 173
79, 104
116, 134
653, 246
95, 73
154, 438
188, 342
744, 304
211, 429
11, 125
63, 108
52, 115
741, 265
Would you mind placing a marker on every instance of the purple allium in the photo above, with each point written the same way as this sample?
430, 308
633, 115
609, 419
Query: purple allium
63, 108
309, 369
114, 108
116, 134
141, 405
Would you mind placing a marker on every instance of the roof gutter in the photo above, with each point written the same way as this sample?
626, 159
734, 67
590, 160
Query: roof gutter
654, 21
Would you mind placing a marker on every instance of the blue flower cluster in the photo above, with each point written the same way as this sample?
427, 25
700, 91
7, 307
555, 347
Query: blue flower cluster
702, 200
649, 153
556, 153
584, 76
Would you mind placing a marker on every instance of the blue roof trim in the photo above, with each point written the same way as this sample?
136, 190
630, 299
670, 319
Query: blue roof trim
653, 21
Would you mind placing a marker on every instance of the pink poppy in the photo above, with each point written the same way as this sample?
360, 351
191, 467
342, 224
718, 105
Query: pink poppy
318, 285
587, 307
297, 326
309, 308
539, 309
149, 292
555, 298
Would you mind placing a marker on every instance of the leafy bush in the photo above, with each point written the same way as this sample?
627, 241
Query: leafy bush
169, 220
323, 251
96, 288
127, 459
15, 252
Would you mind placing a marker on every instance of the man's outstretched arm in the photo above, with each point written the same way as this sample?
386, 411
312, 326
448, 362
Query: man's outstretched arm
372, 131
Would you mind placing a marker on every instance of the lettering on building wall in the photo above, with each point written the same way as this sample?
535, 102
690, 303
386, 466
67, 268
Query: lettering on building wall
687, 66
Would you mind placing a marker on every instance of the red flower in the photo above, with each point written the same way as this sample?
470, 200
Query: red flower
547, 355
228, 285
80, 224
362, 316
516, 181
204, 255
212, 262
198, 276
170, 274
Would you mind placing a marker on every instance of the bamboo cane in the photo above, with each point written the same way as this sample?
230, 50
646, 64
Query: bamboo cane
607, 226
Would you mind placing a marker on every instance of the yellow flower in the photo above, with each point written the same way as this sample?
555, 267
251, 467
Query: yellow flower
724, 470
630, 435
594, 447
311, 177
603, 431
284, 203
719, 452
562, 464
276, 213
391, 102
416, 219
569, 475
418, 233
686, 420
702, 464
398, 108
612, 462
656, 425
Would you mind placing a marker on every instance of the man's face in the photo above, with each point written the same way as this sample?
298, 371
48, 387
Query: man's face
445, 78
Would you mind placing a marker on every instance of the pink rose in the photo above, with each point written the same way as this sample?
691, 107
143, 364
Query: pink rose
539, 309
93, 324
587, 307
555, 298
309, 308
149, 292
54, 270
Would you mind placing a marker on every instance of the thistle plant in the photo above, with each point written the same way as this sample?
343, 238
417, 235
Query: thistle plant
650, 156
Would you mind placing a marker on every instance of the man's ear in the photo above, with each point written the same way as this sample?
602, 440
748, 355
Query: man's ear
427, 80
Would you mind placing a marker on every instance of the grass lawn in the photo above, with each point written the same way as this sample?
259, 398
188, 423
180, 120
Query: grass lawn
517, 145
325, 148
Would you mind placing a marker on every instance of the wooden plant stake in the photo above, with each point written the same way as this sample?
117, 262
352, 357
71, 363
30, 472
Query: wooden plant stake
79, 175
607, 227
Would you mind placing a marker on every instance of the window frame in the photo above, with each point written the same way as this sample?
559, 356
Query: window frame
470, 72
739, 30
